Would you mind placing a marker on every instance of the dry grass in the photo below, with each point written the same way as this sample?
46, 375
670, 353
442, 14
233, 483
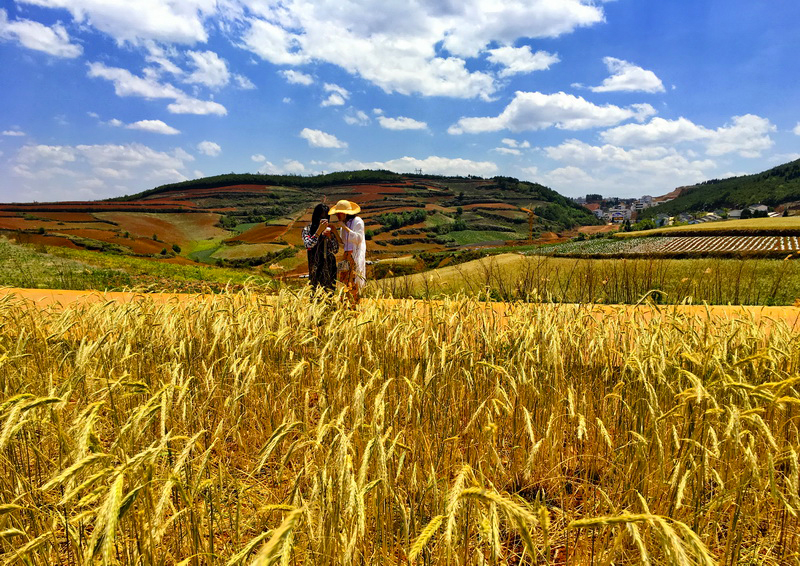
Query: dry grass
277, 430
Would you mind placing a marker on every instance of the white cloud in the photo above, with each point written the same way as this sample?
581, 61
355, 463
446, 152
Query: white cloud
518, 60
337, 97
748, 135
153, 126
317, 138
628, 77
94, 171
188, 105
433, 165
615, 170
243, 82
797, 129
420, 50
171, 22
209, 148
656, 132
401, 123
510, 142
258, 158
537, 111
273, 43
297, 78
289, 167
33, 35
209, 69
334, 99
128, 84
507, 150
356, 117
13, 133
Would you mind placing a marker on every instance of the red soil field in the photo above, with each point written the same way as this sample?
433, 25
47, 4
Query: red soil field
68, 216
598, 229
171, 228
17, 223
260, 234
24, 238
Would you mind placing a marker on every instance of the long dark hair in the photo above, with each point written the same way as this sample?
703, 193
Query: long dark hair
320, 212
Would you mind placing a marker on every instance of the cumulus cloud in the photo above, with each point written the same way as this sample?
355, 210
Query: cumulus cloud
288, 167
337, 95
519, 60
356, 117
209, 69
127, 84
209, 148
297, 78
628, 77
797, 129
508, 150
747, 135
423, 50
621, 171
318, 138
53, 40
433, 165
536, 111
13, 133
258, 158
153, 126
401, 123
94, 171
511, 142
180, 22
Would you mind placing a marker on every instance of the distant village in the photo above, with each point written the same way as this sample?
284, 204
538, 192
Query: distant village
620, 211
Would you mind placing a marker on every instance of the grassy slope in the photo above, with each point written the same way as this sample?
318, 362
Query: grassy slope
61, 268
514, 276
775, 186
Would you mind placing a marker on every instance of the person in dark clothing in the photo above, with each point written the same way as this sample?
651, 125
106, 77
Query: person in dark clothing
321, 244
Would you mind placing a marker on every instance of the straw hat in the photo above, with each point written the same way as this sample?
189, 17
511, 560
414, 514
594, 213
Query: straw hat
345, 206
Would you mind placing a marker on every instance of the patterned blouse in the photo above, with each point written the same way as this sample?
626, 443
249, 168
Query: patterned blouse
310, 240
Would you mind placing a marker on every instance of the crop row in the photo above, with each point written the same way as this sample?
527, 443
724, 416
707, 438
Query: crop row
731, 244
677, 245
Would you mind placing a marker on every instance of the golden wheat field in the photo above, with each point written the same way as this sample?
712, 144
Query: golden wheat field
276, 430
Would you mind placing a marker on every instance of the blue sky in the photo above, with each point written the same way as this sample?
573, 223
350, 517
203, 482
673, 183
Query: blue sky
102, 98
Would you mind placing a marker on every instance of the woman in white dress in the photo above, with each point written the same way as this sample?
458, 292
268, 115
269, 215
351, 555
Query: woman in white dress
354, 268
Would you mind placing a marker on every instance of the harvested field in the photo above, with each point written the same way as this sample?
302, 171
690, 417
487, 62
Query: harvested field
169, 227
42, 239
260, 234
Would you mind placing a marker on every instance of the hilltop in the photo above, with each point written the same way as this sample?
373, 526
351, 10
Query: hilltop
245, 220
779, 186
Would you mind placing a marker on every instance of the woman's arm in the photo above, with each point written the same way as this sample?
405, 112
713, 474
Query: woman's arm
356, 233
309, 240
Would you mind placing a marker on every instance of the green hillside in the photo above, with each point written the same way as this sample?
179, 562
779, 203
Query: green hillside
773, 187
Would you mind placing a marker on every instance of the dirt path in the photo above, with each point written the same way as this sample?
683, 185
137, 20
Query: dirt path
791, 315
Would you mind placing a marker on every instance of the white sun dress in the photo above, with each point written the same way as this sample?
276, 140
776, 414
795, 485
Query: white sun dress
355, 241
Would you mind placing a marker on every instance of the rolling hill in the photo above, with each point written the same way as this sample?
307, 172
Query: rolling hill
777, 186
245, 220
